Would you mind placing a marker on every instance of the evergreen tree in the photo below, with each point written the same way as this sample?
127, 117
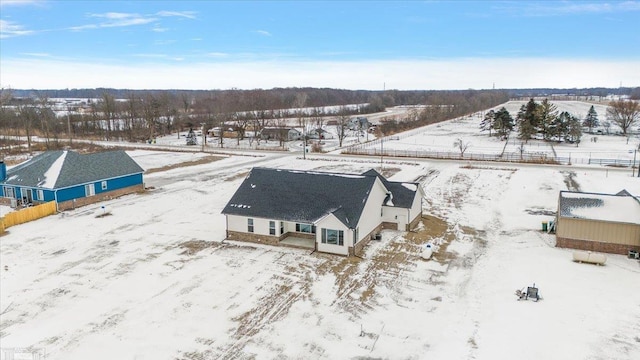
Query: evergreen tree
527, 120
574, 130
503, 122
546, 115
559, 128
591, 120
487, 122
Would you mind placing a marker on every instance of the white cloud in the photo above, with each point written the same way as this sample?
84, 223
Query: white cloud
38, 55
9, 29
18, 2
118, 19
184, 14
115, 19
217, 54
371, 75
567, 7
263, 32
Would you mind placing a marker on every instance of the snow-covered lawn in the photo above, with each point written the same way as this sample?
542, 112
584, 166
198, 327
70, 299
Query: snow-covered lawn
156, 281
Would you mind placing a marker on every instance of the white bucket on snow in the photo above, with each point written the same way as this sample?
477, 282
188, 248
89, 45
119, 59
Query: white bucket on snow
427, 251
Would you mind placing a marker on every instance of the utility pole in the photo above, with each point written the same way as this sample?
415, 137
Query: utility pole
204, 136
69, 124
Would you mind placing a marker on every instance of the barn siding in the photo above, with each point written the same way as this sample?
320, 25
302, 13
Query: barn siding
597, 235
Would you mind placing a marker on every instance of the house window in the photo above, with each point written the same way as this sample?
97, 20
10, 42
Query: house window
250, 225
332, 237
9, 192
89, 190
272, 227
104, 185
305, 228
356, 236
40, 195
281, 227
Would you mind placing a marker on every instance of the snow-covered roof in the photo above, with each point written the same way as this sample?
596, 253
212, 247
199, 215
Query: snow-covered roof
604, 207
60, 169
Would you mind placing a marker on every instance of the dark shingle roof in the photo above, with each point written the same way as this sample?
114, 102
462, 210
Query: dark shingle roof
60, 169
401, 195
301, 196
307, 196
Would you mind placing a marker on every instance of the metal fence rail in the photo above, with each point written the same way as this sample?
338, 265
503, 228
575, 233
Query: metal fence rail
373, 148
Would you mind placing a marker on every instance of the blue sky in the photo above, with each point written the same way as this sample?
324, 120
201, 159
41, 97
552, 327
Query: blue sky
354, 45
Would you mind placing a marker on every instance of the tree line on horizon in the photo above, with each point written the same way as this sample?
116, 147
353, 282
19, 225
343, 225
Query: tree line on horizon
141, 116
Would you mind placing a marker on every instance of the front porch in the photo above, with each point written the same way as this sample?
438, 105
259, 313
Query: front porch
298, 242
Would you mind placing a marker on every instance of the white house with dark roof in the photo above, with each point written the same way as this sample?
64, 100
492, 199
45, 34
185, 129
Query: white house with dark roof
71, 179
329, 212
598, 222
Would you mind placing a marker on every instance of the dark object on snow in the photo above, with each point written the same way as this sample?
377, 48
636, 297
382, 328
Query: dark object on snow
192, 139
532, 292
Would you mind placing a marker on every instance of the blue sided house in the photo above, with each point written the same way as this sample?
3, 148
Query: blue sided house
70, 179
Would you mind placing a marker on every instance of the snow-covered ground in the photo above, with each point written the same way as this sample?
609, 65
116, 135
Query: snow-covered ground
441, 136
154, 280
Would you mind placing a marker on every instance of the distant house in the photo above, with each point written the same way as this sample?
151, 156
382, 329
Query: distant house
280, 133
329, 212
319, 134
358, 123
71, 179
598, 222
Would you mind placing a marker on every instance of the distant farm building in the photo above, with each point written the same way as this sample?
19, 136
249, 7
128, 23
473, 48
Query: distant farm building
70, 179
598, 222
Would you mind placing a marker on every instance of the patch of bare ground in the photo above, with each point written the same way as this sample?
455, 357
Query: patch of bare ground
272, 307
570, 180
389, 172
192, 247
357, 279
237, 176
204, 160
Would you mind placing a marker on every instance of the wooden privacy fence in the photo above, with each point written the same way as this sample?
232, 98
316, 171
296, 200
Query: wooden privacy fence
27, 214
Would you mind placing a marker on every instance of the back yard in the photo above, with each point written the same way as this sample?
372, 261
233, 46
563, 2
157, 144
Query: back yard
155, 280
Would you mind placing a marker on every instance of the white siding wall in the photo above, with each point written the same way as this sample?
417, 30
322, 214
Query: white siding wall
260, 225
416, 207
371, 217
331, 222
395, 215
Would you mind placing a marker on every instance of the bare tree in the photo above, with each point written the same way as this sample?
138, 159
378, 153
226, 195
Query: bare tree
151, 113
521, 150
28, 115
108, 108
624, 113
298, 104
461, 145
342, 122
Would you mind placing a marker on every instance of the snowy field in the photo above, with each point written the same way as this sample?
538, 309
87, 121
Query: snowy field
441, 136
156, 281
